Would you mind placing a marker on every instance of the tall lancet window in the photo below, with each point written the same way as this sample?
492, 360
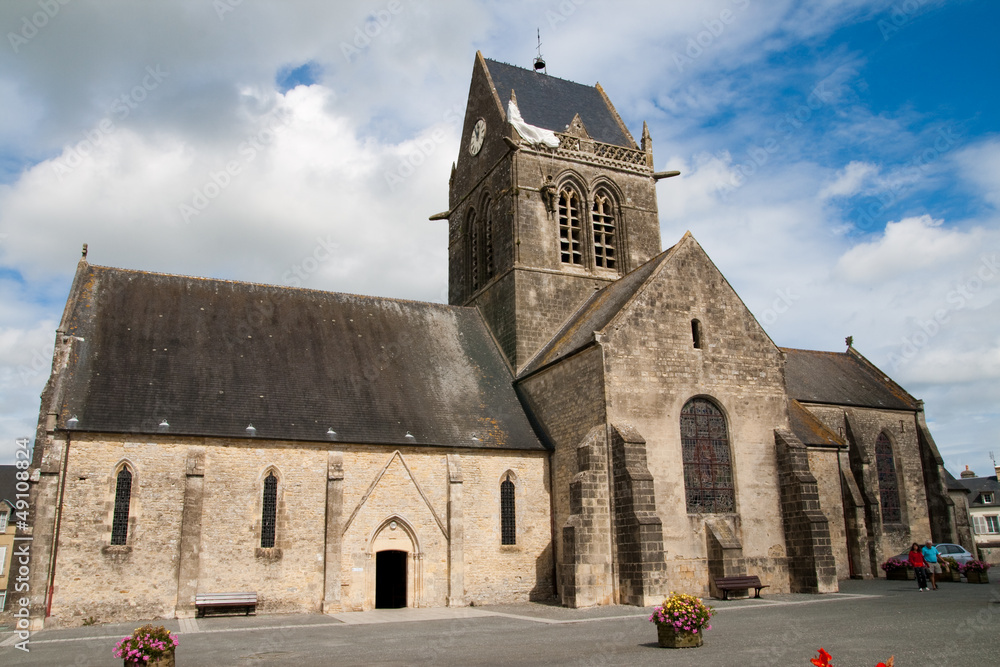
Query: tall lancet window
570, 230
123, 499
472, 227
708, 469
603, 219
488, 264
888, 485
269, 511
508, 521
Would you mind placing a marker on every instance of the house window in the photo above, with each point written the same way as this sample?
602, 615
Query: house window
887, 483
992, 524
570, 231
473, 230
508, 522
696, 334
3, 521
987, 498
3, 563
123, 498
269, 511
603, 219
708, 471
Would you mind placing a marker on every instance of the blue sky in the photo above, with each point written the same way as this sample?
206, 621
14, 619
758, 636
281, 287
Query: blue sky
840, 159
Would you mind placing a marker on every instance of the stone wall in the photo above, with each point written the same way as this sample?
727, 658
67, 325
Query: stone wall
824, 465
370, 497
861, 427
653, 369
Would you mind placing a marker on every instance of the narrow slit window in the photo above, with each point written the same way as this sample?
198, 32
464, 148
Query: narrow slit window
123, 498
508, 522
603, 219
696, 334
888, 485
269, 511
570, 231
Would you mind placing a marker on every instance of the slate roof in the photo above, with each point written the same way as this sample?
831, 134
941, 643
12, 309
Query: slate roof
977, 486
952, 483
551, 103
594, 315
841, 378
7, 483
809, 429
213, 356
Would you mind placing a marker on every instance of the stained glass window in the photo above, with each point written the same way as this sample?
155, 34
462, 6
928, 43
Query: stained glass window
123, 498
887, 484
508, 524
488, 266
269, 512
603, 219
708, 470
570, 231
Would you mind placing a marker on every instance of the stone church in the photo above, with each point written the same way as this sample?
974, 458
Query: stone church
591, 418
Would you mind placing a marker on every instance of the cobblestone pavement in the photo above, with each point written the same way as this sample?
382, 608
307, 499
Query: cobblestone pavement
866, 622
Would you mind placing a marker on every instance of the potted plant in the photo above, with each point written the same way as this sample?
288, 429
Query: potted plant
148, 645
895, 568
976, 572
681, 621
950, 569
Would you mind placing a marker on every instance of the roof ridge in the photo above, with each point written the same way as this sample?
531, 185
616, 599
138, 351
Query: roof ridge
531, 71
275, 286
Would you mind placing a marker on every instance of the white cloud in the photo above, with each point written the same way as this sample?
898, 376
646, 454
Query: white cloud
851, 180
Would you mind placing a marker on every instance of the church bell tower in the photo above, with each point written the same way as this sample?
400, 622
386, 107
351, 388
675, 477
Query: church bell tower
550, 200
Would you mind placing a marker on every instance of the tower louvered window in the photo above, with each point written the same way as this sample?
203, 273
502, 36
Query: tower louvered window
708, 470
488, 265
570, 231
123, 499
473, 230
508, 522
603, 219
269, 511
888, 486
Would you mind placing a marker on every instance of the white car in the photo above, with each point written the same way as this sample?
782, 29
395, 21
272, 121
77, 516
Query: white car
955, 551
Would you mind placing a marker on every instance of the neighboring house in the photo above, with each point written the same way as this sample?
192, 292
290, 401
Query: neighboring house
591, 416
984, 512
6, 528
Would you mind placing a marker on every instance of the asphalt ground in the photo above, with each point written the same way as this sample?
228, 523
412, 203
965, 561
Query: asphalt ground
958, 625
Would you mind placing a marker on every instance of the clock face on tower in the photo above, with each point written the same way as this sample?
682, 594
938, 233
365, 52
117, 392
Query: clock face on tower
478, 134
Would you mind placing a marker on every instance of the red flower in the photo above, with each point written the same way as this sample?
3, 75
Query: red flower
823, 660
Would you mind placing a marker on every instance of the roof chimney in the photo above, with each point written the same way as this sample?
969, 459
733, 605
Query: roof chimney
967, 474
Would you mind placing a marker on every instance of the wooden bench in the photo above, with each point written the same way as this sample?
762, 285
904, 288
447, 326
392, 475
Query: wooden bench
726, 584
205, 601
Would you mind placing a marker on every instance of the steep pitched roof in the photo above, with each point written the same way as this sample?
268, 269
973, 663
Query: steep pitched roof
551, 103
594, 315
8, 482
841, 378
809, 429
212, 356
952, 483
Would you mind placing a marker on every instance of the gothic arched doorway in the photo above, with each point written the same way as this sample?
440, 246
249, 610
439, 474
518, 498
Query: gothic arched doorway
390, 579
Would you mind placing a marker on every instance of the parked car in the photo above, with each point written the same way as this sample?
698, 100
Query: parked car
956, 551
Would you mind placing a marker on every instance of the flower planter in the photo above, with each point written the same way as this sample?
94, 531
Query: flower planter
900, 574
950, 575
671, 638
165, 661
977, 577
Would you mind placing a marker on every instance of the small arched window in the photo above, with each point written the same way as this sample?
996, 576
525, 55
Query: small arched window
696, 334
888, 485
603, 219
708, 470
570, 231
123, 499
508, 520
269, 511
473, 229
